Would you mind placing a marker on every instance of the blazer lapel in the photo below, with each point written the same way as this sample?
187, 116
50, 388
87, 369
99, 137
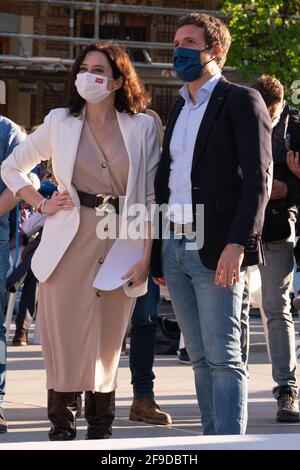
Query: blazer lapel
71, 134
131, 134
213, 107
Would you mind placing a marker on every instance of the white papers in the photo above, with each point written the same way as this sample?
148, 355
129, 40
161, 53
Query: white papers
120, 258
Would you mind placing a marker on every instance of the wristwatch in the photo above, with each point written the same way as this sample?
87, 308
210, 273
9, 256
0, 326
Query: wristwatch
239, 248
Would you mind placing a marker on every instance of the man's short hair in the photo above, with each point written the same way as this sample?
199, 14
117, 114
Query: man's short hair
215, 31
270, 89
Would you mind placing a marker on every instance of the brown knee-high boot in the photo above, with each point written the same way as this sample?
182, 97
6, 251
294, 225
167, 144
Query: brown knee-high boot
62, 408
99, 414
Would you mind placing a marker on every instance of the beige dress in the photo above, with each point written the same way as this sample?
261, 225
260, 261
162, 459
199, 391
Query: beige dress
82, 329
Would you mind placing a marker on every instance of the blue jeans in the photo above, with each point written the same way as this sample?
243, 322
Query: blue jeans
4, 264
142, 341
209, 318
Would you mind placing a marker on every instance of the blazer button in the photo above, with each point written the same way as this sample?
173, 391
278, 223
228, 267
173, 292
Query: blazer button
103, 165
98, 293
101, 261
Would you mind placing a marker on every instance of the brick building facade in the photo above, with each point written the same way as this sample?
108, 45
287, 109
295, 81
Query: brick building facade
34, 89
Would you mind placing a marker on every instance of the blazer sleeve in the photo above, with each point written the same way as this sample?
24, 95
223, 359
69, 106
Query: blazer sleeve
252, 133
158, 125
152, 152
26, 156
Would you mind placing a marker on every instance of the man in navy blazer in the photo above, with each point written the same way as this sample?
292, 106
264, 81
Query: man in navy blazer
217, 157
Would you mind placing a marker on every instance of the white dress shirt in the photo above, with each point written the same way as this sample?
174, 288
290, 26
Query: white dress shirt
182, 149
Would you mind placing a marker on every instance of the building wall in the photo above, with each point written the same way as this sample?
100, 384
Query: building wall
54, 20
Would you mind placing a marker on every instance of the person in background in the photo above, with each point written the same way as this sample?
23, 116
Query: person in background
144, 322
278, 237
10, 136
18, 239
31, 227
293, 135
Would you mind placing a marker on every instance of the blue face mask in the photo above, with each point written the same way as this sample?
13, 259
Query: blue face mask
186, 63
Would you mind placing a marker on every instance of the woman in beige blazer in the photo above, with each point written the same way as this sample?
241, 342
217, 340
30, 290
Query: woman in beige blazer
99, 144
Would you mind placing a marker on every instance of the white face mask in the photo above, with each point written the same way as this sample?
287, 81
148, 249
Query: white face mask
91, 87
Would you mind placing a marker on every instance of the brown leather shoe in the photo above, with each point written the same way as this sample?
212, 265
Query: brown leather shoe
147, 410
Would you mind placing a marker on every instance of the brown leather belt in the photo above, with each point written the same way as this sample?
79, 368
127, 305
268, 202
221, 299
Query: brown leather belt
100, 202
181, 229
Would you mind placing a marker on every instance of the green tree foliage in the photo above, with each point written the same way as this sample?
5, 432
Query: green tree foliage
266, 39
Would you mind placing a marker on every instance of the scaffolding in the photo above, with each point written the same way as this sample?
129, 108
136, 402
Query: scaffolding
98, 7
33, 69
115, 7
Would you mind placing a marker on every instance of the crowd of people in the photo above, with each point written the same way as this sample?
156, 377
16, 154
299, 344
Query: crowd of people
227, 172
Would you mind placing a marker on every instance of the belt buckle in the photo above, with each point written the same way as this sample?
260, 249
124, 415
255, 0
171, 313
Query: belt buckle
187, 229
178, 227
104, 206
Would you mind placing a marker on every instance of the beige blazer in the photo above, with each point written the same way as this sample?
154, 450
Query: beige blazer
58, 138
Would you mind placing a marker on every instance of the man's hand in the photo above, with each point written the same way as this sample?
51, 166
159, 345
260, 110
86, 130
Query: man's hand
279, 190
293, 163
229, 265
159, 281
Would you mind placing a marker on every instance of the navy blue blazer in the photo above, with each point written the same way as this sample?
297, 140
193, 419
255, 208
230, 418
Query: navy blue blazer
231, 173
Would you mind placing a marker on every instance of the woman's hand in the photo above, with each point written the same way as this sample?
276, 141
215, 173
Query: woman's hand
58, 202
138, 273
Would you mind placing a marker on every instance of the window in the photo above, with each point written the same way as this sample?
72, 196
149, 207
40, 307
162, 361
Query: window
118, 26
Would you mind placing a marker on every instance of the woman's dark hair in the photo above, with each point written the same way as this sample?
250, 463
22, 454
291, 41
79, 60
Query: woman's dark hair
131, 97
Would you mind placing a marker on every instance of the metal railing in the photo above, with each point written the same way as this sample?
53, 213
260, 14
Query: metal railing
80, 40
68, 62
119, 8
98, 7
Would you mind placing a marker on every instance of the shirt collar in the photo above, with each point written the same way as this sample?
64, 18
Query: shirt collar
203, 93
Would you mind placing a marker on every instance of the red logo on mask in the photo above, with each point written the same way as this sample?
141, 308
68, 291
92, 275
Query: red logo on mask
99, 80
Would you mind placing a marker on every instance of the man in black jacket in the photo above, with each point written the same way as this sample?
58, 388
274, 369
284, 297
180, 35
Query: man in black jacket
216, 158
278, 238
